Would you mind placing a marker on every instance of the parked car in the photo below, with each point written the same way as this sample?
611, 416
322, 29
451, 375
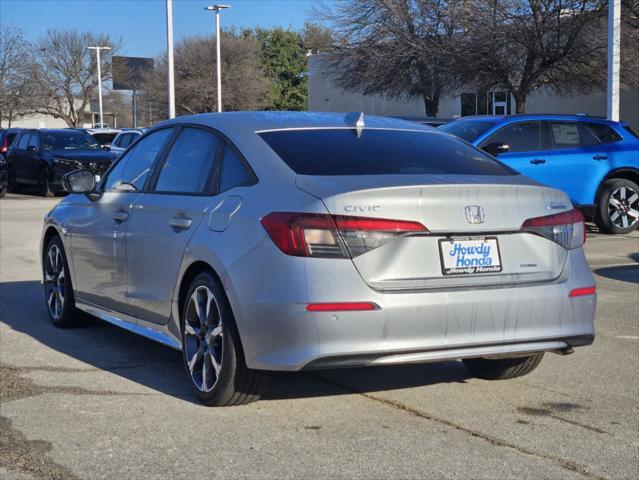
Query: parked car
7, 135
595, 161
104, 136
125, 138
258, 241
3, 176
430, 121
39, 158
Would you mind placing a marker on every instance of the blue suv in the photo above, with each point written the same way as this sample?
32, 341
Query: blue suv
595, 161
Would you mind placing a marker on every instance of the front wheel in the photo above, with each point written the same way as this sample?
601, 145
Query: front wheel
211, 350
502, 368
618, 206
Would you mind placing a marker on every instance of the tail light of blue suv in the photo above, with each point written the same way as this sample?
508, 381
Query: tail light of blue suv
333, 236
565, 228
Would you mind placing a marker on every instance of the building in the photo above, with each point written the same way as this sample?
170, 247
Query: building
325, 96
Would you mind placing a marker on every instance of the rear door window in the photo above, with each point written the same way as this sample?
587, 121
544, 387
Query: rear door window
564, 135
189, 165
346, 151
23, 141
520, 137
234, 172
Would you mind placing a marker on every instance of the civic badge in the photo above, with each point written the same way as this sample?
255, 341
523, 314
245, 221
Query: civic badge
475, 214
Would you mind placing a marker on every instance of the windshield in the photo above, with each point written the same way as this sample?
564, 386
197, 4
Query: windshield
379, 152
71, 140
468, 130
104, 138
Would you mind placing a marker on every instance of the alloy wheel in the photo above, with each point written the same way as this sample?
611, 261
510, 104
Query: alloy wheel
623, 207
203, 338
54, 281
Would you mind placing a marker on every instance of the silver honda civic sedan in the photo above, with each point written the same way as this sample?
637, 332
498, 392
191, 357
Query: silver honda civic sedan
288, 241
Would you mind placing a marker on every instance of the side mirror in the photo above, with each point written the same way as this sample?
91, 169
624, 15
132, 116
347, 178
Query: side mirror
32, 149
496, 148
106, 147
79, 181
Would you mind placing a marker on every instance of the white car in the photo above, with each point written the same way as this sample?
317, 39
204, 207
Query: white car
125, 138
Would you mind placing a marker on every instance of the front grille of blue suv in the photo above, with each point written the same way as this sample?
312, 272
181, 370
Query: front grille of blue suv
595, 161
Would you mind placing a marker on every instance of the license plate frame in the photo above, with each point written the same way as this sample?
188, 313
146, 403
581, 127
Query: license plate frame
474, 268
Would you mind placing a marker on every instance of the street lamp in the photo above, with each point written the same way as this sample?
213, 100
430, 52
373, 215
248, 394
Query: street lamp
97, 54
169, 53
218, 60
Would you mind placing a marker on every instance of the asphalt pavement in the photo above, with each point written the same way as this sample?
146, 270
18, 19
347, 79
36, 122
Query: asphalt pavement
99, 402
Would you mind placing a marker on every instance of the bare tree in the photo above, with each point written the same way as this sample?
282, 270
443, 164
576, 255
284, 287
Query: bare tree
244, 86
526, 45
398, 48
64, 72
15, 75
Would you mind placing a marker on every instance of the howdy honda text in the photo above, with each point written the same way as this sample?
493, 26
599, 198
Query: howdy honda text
469, 255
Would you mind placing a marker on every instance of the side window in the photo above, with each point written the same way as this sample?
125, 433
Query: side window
34, 141
117, 141
564, 135
23, 141
520, 137
604, 133
130, 173
233, 172
189, 163
125, 140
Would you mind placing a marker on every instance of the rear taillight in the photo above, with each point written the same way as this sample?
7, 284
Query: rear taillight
566, 228
333, 236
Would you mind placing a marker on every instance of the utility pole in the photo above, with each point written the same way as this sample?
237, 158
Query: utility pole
218, 58
169, 44
97, 54
614, 47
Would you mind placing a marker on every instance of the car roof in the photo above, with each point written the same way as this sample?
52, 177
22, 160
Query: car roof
262, 121
539, 116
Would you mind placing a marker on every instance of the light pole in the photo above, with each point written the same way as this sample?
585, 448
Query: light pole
614, 44
218, 59
169, 45
97, 55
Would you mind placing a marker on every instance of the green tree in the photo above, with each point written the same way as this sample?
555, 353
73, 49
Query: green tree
283, 59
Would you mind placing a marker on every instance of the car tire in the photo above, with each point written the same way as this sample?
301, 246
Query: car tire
211, 350
502, 368
618, 199
45, 187
58, 290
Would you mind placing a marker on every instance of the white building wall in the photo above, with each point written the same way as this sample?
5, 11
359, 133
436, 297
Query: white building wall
36, 121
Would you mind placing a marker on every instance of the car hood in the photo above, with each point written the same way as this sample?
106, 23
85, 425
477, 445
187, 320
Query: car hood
83, 155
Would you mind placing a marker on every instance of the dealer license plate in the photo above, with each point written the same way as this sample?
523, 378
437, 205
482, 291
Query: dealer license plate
469, 255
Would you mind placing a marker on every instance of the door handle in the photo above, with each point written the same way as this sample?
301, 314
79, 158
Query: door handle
600, 157
181, 223
537, 161
120, 216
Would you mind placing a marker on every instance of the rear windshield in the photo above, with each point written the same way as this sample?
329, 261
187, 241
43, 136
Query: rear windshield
378, 152
469, 130
70, 140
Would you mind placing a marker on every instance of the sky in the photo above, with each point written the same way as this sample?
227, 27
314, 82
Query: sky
142, 23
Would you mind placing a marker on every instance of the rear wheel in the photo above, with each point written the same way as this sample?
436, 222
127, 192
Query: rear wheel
618, 206
213, 357
58, 291
502, 368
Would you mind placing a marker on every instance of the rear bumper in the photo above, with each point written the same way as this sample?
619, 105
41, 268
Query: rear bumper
418, 326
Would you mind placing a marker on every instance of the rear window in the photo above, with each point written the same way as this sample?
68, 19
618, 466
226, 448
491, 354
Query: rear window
378, 152
468, 130
630, 129
604, 133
